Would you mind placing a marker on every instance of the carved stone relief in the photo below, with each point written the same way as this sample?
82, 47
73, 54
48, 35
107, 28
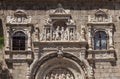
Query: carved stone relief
59, 73
59, 34
20, 17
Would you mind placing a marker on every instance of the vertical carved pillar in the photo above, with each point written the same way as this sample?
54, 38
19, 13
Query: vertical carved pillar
45, 33
111, 38
89, 18
82, 32
7, 39
36, 34
51, 33
28, 72
89, 38
36, 53
29, 41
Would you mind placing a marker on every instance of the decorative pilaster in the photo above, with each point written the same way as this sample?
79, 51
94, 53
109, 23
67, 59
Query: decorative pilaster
7, 39
36, 34
110, 31
89, 38
28, 72
82, 33
29, 41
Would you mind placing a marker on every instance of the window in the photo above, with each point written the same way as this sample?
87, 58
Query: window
100, 40
18, 41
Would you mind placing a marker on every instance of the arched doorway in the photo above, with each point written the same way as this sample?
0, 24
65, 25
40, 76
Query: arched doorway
60, 68
53, 67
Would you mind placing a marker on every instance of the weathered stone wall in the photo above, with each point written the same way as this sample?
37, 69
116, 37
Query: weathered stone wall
79, 11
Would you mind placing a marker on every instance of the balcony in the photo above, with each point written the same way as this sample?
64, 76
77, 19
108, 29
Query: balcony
60, 35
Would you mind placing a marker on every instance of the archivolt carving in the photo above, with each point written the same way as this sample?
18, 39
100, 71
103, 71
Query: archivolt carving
61, 67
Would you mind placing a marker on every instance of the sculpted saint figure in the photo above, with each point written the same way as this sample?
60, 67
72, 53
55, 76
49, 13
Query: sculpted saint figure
47, 77
62, 33
71, 35
56, 76
66, 34
52, 76
57, 32
83, 33
67, 76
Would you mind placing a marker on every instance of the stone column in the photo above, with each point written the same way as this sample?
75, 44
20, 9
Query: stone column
7, 39
89, 38
110, 31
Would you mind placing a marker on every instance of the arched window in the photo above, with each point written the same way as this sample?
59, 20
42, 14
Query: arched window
100, 40
18, 41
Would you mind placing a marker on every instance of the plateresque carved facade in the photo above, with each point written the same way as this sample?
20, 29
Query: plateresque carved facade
60, 39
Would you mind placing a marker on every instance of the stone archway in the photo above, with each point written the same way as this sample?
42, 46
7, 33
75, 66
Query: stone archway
59, 67
47, 65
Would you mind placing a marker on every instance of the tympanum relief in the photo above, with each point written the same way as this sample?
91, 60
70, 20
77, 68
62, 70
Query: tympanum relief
59, 73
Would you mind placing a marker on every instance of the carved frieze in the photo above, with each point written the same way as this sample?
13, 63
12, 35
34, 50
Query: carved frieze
18, 20
19, 17
59, 34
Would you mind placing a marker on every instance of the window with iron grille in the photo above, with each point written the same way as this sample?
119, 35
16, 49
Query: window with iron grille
18, 41
100, 40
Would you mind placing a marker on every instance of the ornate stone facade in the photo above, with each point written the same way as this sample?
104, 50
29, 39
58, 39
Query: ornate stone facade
52, 39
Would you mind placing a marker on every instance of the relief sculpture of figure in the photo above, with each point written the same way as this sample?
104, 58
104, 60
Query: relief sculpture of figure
56, 76
71, 35
57, 33
82, 32
46, 77
62, 33
66, 34
67, 76
53, 35
8, 19
48, 35
110, 39
36, 34
63, 76
60, 76
52, 76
